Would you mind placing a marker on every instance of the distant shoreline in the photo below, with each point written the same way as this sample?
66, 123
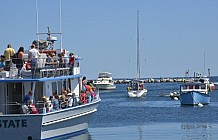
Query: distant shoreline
161, 79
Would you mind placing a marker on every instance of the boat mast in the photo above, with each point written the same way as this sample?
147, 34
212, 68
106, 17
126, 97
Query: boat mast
137, 61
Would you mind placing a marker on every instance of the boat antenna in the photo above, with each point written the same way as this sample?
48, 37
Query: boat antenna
37, 22
137, 61
50, 38
60, 23
204, 64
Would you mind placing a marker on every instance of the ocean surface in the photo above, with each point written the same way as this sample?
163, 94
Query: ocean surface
153, 117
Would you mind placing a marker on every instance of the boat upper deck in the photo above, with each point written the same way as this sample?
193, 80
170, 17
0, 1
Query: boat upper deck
200, 87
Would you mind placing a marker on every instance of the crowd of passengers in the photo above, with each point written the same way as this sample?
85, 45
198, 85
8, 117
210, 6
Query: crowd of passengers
52, 59
56, 102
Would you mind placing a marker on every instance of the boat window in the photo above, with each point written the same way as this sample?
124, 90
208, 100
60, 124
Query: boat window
196, 86
14, 91
38, 91
190, 86
69, 83
54, 87
64, 84
60, 87
203, 86
184, 87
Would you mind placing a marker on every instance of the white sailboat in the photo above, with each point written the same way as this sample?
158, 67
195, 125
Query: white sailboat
136, 87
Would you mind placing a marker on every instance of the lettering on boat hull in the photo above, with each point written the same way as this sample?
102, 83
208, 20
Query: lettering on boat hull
13, 123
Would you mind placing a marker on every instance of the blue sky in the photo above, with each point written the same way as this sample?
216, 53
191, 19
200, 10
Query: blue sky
174, 34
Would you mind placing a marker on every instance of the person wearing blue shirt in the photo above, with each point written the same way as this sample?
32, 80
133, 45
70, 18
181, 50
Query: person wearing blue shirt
27, 97
55, 103
2, 63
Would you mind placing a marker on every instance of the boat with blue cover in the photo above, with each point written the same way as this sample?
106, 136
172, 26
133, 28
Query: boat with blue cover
194, 93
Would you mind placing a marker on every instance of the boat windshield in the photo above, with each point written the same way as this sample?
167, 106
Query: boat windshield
105, 75
193, 86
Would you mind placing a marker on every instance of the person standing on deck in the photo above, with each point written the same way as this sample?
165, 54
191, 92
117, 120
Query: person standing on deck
33, 55
71, 62
20, 60
8, 53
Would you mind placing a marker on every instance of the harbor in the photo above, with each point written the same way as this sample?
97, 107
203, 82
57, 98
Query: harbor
155, 116
108, 70
157, 80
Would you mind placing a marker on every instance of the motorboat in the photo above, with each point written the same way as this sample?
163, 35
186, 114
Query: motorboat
105, 81
15, 124
194, 93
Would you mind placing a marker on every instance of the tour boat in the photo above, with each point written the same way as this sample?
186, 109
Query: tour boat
43, 81
14, 124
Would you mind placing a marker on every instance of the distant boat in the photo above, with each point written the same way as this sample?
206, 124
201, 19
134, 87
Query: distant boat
204, 79
104, 81
194, 93
136, 87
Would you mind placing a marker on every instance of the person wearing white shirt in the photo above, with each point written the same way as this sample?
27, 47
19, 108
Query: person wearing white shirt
33, 56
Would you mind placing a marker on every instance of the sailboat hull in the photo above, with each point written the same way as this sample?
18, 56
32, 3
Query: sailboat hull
137, 93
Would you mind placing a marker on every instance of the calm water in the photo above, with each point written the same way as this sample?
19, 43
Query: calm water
155, 116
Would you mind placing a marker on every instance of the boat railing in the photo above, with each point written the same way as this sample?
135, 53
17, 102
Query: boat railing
13, 108
45, 70
17, 108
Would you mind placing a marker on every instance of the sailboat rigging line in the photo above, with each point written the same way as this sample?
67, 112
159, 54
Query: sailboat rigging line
138, 63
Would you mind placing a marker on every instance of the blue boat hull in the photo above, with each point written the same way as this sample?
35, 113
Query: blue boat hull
194, 98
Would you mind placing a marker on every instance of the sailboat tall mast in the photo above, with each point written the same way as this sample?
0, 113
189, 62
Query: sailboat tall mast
138, 62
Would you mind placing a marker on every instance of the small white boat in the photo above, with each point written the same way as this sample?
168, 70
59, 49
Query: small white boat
136, 87
104, 81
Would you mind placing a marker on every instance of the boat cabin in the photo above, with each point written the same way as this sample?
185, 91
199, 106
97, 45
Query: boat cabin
136, 85
44, 81
201, 87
